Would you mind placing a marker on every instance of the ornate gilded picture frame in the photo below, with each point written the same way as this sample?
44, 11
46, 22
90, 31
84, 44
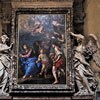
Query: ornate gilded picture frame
41, 35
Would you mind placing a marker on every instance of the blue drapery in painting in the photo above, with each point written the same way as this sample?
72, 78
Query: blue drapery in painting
30, 66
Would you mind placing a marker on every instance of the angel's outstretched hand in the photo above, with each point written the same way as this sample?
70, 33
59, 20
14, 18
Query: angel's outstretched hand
11, 45
68, 29
71, 33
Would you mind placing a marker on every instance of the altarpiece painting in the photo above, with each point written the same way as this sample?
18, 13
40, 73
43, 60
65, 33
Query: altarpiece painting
41, 46
43, 51
44, 55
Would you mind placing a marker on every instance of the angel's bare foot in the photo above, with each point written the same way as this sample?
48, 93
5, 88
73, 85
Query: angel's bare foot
24, 76
80, 92
40, 73
55, 82
77, 93
91, 93
30, 76
4, 93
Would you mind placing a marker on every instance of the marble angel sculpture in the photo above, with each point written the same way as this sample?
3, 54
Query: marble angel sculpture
5, 62
83, 54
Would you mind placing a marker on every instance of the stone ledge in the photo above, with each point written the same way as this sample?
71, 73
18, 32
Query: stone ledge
84, 97
5, 98
47, 4
56, 98
88, 97
42, 98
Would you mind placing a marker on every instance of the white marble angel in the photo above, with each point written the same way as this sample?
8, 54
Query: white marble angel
83, 53
5, 62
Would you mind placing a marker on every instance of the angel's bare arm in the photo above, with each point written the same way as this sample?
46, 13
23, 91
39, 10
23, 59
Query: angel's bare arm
4, 48
39, 58
77, 35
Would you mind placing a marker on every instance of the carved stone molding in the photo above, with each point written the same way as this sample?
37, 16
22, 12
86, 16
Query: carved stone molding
47, 4
40, 0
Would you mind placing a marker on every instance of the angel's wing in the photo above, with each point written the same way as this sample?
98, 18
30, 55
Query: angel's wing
96, 57
93, 48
